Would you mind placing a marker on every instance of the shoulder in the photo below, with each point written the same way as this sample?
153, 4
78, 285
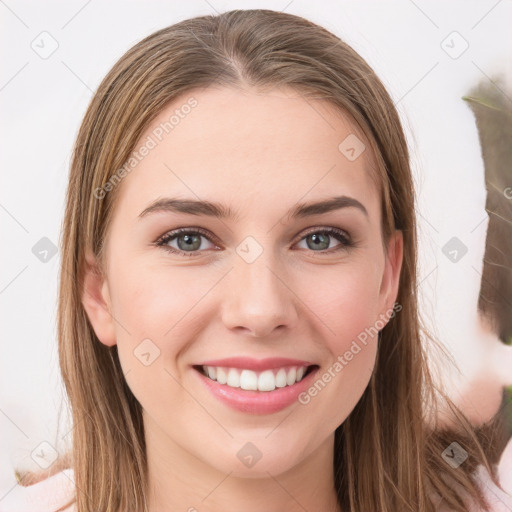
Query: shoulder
57, 493
499, 500
53, 494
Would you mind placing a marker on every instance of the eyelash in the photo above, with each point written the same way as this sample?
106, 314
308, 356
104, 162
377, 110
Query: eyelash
338, 234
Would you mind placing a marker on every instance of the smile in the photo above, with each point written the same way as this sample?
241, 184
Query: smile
251, 380
264, 392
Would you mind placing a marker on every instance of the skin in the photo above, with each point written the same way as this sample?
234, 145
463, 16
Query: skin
260, 154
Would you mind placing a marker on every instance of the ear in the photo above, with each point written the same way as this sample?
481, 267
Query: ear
96, 301
391, 278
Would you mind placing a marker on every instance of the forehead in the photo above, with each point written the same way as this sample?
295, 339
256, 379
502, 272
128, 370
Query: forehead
252, 151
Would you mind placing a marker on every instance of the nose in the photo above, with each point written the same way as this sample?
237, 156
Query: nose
258, 298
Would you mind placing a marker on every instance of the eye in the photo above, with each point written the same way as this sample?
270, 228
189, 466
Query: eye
321, 238
188, 240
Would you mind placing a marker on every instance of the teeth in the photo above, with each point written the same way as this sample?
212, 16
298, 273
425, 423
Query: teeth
267, 380
233, 378
281, 378
222, 378
248, 380
292, 376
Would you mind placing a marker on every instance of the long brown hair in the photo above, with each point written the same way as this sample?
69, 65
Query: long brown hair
388, 457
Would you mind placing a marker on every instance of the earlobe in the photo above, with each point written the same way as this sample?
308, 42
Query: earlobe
96, 301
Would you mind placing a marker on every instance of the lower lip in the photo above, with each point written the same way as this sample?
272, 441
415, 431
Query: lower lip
257, 402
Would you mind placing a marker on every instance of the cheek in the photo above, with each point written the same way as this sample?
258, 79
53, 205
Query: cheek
156, 318
348, 304
154, 303
159, 312
348, 311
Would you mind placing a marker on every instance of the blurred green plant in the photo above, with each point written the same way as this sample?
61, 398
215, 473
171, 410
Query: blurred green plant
492, 108
508, 399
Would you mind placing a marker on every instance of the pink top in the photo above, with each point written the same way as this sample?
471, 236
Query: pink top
52, 494
49, 495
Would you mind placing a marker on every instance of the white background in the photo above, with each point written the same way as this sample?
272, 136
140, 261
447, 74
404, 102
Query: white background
42, 102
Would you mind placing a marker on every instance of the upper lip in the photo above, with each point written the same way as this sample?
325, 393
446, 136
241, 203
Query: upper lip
255, 364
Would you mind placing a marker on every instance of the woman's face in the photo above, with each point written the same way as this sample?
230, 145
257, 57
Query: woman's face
261, 283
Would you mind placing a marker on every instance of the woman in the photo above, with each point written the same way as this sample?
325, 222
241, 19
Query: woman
238, 323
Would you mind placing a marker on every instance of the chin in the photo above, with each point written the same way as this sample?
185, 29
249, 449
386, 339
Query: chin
242, 458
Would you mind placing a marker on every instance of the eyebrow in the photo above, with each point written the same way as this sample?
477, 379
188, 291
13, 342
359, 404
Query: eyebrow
211, 209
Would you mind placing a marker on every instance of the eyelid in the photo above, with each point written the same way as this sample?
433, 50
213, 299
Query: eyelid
178, 231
